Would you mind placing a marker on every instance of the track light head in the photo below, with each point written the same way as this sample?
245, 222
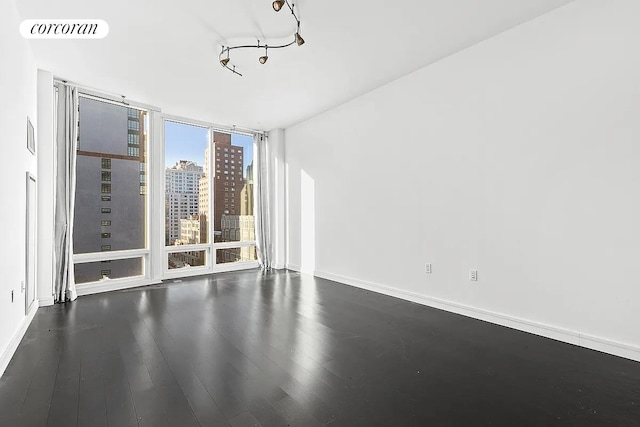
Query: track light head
299, 39
224, 62
277, 5
264, 58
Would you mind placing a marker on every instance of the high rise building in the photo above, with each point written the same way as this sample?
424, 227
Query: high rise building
110, 187
229, 180
182, 187
247, 219
246, 195
203, 199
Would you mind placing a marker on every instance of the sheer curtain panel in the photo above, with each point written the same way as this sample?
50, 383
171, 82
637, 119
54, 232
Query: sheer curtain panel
66, 145
264, 203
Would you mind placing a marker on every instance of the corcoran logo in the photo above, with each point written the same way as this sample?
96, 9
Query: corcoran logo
64, 29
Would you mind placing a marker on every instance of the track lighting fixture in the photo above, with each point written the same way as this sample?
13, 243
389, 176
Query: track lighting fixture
297, 39
226, 60
264, 58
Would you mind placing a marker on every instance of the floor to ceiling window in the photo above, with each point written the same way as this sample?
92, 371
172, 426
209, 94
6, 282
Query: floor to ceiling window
233, 219
202, 191
209, 217
110, 218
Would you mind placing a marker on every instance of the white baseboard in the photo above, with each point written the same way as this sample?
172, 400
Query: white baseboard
8, 352
47, 301
565, 335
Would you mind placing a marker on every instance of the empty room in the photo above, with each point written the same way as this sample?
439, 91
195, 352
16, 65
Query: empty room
302, 213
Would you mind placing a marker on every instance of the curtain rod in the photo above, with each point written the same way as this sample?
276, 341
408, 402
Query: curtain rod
121, 99
107, 96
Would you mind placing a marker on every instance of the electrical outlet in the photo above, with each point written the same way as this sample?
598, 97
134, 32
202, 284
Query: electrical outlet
473, 275
427, 268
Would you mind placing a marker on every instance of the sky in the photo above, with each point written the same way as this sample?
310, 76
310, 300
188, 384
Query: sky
188, 142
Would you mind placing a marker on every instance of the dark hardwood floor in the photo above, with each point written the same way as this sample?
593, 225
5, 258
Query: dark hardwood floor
281, 349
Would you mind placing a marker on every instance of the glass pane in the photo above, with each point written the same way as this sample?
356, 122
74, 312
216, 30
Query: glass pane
110, 182
103, 270
247, 253
186, 259
233, 219
186, 184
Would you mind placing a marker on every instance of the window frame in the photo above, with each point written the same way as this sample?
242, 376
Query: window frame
154, 254
107, 255
210, 248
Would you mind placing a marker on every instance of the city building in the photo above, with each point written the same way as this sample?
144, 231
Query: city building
203, 199
111, 187
182, 187
238, 228
246, 195
190, 231
229, 179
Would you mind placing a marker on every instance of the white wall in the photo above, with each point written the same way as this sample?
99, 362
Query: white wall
46, 202
277, 163
18, 89
518, 156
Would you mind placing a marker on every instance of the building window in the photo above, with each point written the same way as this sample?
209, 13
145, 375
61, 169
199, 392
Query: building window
106, 210
106, 198
105, 222
106, 175
134, 139
105, 273
133, 125
105, 247
105, 235
106, 188
106, 163
133, 151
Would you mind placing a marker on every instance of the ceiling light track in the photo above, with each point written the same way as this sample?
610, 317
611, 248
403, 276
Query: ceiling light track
297, 39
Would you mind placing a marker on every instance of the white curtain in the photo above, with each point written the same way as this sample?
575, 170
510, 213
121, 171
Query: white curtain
65, 189
264, 204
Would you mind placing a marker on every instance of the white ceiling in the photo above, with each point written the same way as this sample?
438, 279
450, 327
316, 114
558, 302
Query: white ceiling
165, 52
